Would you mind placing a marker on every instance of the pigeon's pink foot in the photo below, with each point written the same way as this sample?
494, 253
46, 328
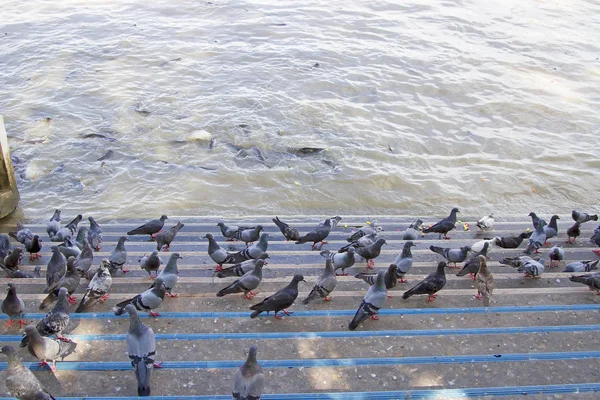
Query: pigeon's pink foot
389, 296
124, 270
63, 338
219, 268
596, 252
403, 281
166, 249
158, 364
286, 312
342, 274
446, 237
97, 248
370, 264
44, 364
172, 295
327, 298
478, 296
374, 317
546, 243
10, 322
277, 316
72, 299
249, 296
153, 314
474, 277
21, 322
432, 297
103, 298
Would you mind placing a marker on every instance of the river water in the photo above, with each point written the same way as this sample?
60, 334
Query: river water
407, 107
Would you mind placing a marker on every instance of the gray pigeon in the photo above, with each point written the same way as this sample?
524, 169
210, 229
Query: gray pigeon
591, 280
404, 261
216, 252
556, 254
31, 242
54, 225
369, 252
485, 281
67, 230
118, 257
596, 239
246, 235
55, 321
472, 265
515, 262
289, 232
151, 263
82, 234
164, 238
334, 221
324, 285
452, 255
232, 232
364, 231
432, 284
18, 274
249, 380
478, 246
551, 229
13, 258
390, 277
84, 261
537, 238
70, 281
371, 303
141, 348
574, 232
582, 266
340, 260
582, 217
532, 268
149, 300
319, 234
412, 232
69, 248
240, 269
170, 275
445, 225
44, 348
534, 219
246, 284
20, 381
13, 306
57, 266
280, 300
94, 234
98, 287
486, 223
151, 227
511, 242
253, 251
5, 245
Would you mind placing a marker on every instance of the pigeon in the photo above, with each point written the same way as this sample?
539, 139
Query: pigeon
55, 321
69, 248
253, 251
31, 242
478, 246
280, 300
596, 240
151, 227
164, 238
486, 223
5, 245
534, 219
231, 232
511, 242
412, 232
170, 275
246, 284
472, 265
70, 281
84, 260
556, 254
324, 285
582, 217
334, 221
574, 232
249, 379
13, 306
44, 348
20, 381
98, 287
141, 348
94, 234
591, 280
452, 255
82, 234
149, 300
515, 262
67, 230
404, 261
390, 277
216, 252
18, 274
247, 235
151, 263
551, 229
12, 259
371, 303
432, 284
319, 234
54, 225
445, 225
240, 269
118, 257
369, 252
532, 268
364, 231
56, 269
537, 238
485, 281
340, 260
364, 241
288, 232
582, 266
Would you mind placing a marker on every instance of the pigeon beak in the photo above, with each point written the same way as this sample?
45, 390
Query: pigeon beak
181, 258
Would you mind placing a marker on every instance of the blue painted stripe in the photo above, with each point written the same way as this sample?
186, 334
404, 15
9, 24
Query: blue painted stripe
337, 334
339, 362
571, 388
345, 313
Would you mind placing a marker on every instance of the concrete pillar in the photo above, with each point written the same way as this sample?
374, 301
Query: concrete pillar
9, 194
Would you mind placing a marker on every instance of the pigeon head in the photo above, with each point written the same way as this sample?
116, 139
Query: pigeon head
104, 265
11, 287
409, 243
263, 256
56, 215
208, 236
252, 355
454, 211
130, 309
30, 329
327, 222
351, 249
380, 278
259, 228
298, 278
441, 266
122, 239
175, 256
163, 217
220, 224
62, 293
8, 351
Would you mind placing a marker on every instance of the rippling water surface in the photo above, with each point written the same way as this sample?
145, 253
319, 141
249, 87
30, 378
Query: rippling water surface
418, 106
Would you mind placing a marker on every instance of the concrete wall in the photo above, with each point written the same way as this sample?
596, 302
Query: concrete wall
9, 194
